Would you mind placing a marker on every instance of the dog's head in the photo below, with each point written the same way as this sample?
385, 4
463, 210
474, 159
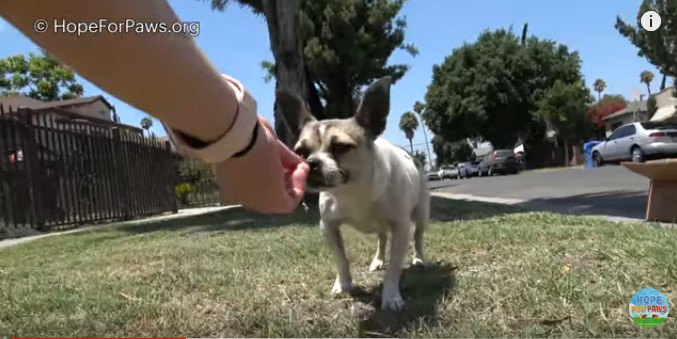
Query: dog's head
338, 151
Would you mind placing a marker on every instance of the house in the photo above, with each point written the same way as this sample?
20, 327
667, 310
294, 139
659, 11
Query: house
666, 102
634, 111
89, 115
79, 114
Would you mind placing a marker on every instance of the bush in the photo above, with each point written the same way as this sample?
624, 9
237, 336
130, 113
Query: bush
181, 191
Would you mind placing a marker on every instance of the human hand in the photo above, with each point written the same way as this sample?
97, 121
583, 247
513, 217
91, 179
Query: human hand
270, 178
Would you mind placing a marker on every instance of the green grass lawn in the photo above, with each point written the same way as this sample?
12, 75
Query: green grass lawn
493, 271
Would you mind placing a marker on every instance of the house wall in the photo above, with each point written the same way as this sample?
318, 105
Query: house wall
615, 122
96, 109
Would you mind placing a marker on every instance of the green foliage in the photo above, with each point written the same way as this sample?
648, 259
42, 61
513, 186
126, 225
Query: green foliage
658, 47
451, 152
182, 191
646, 77
651, 106
564, 106
194, 172
347, 45
146, 123
599, 87
408, 124
490, 88
420, 159
38, 76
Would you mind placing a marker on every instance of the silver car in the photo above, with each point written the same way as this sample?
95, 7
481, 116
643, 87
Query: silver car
637, 141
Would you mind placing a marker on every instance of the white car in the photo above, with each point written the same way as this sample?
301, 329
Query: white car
637, 141
433, 176
448, 172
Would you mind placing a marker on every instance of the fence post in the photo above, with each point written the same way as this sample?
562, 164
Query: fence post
33, 169
120, 171
172, 177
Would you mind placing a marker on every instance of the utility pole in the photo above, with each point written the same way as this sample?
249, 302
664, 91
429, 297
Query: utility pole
425, 136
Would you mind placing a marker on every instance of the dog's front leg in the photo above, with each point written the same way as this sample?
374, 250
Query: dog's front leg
390, 297
332, 234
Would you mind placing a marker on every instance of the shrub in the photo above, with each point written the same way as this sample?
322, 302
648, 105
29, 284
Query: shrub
181, 191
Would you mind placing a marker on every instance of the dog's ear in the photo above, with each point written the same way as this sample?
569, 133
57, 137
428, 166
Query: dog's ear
294, 111
373, 110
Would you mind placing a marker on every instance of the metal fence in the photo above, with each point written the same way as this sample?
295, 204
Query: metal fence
58, 169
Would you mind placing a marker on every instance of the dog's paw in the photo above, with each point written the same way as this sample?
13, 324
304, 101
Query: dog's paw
417, 262
376, 264
392, 302
341, 287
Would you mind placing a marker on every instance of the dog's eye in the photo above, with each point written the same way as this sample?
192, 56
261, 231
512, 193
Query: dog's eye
340, 148
302, 152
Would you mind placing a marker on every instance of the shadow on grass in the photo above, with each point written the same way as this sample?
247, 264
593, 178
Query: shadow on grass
441, 209
225, 220
423, 290
444, 210
628, 204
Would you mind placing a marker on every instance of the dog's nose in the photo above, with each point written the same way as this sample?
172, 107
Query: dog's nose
314, 163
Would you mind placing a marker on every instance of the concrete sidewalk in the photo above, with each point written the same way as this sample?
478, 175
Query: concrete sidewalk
184, 213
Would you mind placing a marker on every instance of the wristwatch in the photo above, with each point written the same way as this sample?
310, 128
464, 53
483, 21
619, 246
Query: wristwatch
236, 142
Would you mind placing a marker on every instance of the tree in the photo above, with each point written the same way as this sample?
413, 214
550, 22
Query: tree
660, 46
39, 77
420, 159
489, 88
284, 31
408, 124
451, 152
651, 106
116, 117
564, 107
646, 77
599, 87
146, 123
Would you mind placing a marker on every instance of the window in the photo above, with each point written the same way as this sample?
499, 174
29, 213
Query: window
659, 125
629, 131
618, 133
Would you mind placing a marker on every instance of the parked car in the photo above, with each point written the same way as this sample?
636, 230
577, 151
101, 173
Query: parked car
448, 172
637, 141
468, 169
502, 161
433, 176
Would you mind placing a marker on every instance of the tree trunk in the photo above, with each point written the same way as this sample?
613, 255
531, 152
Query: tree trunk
663, 82
648, 89
285, 42
411, 147
566, 153
284, 30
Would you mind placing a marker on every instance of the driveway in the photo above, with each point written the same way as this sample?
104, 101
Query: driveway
610, 191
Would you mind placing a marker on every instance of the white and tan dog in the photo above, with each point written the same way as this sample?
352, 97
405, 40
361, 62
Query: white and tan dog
364, 181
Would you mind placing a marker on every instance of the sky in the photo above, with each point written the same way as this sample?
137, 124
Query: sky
236, 41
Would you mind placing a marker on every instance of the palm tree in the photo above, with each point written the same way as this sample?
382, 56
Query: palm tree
408, 124
646, 77
419, 107
599, 86
146, 123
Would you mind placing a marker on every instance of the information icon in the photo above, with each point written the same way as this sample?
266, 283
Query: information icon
650, 21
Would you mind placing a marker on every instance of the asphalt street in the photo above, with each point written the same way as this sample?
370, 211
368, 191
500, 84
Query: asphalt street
610, 191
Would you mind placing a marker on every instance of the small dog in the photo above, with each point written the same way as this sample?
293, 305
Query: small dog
364, 181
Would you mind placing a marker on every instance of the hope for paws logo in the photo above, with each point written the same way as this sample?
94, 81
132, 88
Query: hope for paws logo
649, 308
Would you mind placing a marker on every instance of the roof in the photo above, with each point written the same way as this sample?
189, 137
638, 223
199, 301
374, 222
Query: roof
639, 106
24, 101
664, 113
